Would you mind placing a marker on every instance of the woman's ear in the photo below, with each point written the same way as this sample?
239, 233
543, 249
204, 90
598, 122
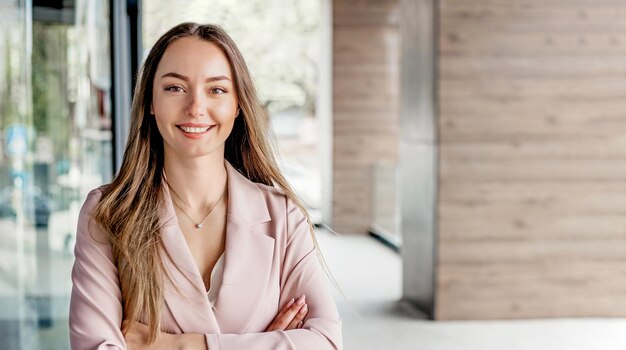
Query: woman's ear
151, 109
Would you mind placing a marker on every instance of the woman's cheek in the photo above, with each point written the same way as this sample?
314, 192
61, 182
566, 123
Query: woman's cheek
226, 112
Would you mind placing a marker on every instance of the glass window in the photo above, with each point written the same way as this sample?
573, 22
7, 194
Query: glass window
55, 133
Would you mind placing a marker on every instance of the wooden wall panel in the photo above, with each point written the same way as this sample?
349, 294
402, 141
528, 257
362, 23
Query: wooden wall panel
365, 104
532, 132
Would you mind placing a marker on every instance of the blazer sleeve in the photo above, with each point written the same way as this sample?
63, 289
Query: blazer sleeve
96, 302
302, 274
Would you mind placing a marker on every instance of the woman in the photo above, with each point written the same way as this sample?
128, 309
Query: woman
192, 246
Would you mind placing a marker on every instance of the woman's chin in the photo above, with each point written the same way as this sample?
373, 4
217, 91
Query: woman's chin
191, 153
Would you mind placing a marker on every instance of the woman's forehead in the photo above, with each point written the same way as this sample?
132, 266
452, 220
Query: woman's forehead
194, 58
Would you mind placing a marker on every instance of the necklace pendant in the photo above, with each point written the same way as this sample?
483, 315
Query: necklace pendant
199, 225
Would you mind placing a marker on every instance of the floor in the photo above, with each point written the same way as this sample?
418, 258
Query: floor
369, 275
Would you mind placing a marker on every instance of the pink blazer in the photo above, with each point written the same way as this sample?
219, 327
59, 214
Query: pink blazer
269, 258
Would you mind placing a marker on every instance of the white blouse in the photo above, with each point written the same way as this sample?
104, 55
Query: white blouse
216, 280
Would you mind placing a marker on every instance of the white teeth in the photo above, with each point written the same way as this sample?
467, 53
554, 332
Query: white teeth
194, 130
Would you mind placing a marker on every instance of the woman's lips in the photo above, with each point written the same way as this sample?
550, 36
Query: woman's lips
195, 131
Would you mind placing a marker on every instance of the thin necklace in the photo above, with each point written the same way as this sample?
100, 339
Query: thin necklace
199, 224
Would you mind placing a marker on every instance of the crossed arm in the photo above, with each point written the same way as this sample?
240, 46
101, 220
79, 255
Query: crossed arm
288, 318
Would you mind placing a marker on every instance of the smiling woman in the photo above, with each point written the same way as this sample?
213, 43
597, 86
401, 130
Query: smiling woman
199, 241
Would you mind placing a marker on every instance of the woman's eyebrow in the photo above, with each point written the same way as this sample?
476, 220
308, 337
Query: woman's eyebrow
182, 77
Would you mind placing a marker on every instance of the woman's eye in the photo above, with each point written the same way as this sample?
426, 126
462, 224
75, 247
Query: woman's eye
217, 90
174, 89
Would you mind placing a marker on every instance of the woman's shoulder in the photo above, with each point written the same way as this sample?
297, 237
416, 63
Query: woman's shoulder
278, 201
275, 195
91, 201
88, 231
93, 197
275, 198
270, 191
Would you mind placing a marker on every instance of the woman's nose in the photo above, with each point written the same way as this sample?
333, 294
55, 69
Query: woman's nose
197, 105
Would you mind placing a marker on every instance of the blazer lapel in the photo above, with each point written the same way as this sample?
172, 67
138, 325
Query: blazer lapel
184, 294
248, 254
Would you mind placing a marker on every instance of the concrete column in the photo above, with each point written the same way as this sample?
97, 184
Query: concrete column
418, 152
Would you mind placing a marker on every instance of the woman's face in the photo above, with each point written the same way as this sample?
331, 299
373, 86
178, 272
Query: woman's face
194, 100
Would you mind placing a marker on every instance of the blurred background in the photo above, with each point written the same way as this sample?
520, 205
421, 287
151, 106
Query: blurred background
464, 161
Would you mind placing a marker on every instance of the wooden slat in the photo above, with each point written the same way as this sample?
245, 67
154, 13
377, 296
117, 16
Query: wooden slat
351, 145
361, 44
363, 13
533, 43
512, 212
352, 201
534, 170
573, 149
529, 290
531, 66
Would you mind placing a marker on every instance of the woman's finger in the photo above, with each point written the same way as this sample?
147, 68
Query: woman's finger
282, 321
286, 318
297, 320
285, 309
289, 316
280, 314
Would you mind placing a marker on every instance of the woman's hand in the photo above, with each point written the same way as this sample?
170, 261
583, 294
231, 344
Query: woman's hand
290, 317
137, 339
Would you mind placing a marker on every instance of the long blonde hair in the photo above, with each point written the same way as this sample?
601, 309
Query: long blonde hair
130, 206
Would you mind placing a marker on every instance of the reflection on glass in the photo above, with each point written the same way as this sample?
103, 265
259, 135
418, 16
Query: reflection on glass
55, 128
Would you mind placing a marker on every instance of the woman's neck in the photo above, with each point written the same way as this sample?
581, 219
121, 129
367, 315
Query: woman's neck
199, 182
